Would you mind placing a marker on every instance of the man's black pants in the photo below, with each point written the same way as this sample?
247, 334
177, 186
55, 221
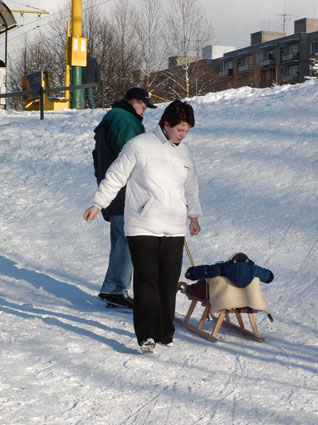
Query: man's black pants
157, 265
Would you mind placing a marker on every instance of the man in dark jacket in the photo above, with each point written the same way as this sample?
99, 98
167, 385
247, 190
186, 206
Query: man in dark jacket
120, 124
90, 74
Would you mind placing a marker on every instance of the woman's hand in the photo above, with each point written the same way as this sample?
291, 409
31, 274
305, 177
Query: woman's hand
91, 213
194, 226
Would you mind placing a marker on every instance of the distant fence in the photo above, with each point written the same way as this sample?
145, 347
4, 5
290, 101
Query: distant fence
40, 92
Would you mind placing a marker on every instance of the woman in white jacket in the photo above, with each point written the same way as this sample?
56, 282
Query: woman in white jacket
161, 192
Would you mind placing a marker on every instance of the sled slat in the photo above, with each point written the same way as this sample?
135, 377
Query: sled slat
218, 323
243, 331
204, 316
190, 311
239, 319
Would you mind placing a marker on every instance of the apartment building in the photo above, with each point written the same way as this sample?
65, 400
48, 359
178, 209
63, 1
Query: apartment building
272, 58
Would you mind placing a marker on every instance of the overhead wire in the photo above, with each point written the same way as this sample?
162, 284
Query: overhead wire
26, 5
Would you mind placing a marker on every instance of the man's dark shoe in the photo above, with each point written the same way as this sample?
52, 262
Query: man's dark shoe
117, 299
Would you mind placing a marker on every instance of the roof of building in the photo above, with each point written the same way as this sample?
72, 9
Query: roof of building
7, 20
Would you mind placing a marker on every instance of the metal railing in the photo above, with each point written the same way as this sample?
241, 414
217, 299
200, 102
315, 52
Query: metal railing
226, 73
290, 57
40, 92
245, 68
292, 78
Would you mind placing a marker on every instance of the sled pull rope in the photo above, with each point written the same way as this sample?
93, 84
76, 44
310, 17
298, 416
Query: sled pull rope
188, 252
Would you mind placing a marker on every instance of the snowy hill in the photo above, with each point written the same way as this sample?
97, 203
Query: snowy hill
66, 360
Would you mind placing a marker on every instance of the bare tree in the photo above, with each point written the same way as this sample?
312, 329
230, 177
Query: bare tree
52, 42
126, 57
45, 52
112, 40
41, 54
102, 40
148, 24
188, 31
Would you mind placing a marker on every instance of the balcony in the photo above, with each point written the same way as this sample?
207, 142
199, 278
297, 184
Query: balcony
290, 57
226, 73
290, 79
267, 62
245, 68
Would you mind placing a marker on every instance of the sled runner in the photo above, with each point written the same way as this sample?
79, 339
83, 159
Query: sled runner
223, 303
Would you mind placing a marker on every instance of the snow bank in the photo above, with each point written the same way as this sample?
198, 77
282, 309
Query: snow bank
66, 360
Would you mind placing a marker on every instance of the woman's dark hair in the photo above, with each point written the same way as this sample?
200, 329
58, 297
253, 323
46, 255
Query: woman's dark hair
176, 112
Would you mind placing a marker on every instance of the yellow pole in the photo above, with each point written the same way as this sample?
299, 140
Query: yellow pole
188, 252
76, 70
161, 98
76, 18
67, 67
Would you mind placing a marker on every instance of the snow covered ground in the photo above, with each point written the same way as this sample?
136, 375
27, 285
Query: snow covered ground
66, 360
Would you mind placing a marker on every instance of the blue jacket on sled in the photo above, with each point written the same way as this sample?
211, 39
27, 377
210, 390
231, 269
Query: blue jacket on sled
239, 273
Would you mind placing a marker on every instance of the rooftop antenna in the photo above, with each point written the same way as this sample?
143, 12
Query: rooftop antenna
284, 16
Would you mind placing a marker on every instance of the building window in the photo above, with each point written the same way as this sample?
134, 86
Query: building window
294, 49
228, 65
314, 48
290, 52
265, 57
271, 54
293, 70
228, 68
245, 63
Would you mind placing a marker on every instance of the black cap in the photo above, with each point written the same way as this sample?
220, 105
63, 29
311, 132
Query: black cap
139, 93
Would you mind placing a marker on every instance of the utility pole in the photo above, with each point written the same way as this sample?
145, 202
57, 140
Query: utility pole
67, 81
77, 52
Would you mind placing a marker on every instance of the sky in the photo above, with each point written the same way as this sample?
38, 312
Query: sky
233, 20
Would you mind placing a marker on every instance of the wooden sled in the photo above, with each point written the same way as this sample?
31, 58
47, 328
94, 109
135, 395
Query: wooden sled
222, 318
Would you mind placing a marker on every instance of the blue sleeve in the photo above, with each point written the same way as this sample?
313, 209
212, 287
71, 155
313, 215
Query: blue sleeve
202, 272
265, 275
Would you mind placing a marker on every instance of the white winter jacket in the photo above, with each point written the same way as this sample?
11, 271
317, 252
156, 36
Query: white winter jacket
162, 188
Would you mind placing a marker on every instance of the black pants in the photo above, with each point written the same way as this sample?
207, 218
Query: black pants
157, 265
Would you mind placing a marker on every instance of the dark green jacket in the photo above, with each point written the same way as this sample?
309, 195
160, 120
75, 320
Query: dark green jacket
119, 125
